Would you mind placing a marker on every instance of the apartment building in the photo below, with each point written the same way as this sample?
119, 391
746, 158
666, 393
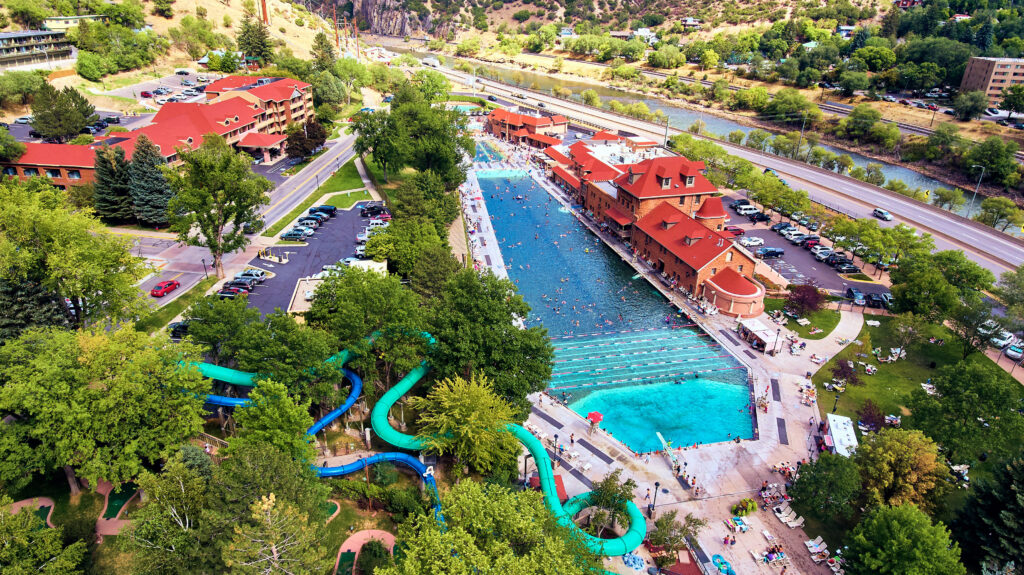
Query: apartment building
991, 75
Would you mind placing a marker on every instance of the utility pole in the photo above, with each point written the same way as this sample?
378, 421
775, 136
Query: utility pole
337, 43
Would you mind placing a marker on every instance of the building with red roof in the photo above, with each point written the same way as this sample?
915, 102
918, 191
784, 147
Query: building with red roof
519, 128
698, 259
250, 113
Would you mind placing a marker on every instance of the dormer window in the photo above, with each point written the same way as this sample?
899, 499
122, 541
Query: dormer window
666, 183
633, 177
689, 181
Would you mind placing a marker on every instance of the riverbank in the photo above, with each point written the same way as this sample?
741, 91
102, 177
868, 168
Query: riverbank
940, 174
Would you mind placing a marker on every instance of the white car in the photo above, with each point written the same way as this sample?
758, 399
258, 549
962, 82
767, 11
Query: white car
751, 241
190, 93
1014, 352
24, 120
792, 233
1003, 338
815, 250
364, 235
360, 252
882, 214
309, 295
332, 268
161, 101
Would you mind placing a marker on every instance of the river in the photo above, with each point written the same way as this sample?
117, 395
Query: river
680, 118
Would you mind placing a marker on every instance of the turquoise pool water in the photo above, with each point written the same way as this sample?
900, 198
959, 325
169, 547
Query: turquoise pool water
620, 346
486, 153
466, 108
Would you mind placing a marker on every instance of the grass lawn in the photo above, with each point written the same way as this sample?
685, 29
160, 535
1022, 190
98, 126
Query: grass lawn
347, 200
826, 319
160, 317
290, 243
346, 178
110, 558
298, 167
377, 175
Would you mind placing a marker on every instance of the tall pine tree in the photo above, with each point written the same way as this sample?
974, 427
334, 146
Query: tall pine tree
112, 187
149, 189
254, 40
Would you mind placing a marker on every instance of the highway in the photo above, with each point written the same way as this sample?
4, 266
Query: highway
990, 248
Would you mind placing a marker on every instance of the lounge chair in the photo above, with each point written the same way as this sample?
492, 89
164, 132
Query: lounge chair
812, 543
794, 524
768, 535
587, 466
788, 517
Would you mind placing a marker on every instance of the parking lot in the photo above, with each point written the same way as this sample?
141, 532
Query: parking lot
21, 131
173, 82
798, 264
334, 240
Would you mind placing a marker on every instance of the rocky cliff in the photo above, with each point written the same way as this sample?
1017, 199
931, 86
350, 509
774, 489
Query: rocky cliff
389, 17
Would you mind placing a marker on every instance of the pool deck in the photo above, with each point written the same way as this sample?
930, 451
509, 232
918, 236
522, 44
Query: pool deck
725, 472
483, 244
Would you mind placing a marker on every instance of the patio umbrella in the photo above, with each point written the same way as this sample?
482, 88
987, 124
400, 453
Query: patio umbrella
595, 417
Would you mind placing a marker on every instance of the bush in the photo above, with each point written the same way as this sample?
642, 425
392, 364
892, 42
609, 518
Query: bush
90, 66
385, 474
744, 507
372, 555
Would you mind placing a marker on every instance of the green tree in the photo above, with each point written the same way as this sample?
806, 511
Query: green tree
859, 122
434, 85
900, 467
970, 105
216, 324
438, 140
254, 40
999, 212
306, 139
925, 292
672, 534
323, 53
360, 303
104, 403
878, 58
291, 353
907, 330
987, 526
1013, 100
850, 82
902, 541
968, 415
278, 538
708, 59
466, 419
789, 106
10, 148
61, 114
432, 270
998, 158
828, 487
275, 418
948, 199
47, 242
475, 325
352, 74
112, 189
165, 534
490, 528
163, 8
591, 98
217, 193
381, 134
611, 494
1010, 290
374, 554
402, 243
149, 190
28, 13
964, 274
29, 547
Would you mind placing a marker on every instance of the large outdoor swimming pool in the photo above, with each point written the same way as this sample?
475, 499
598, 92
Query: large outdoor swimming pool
620, 346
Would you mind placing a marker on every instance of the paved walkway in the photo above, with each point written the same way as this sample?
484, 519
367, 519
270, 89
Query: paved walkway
35, 503
356, 541
109, 526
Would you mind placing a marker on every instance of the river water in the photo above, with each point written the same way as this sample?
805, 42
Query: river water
681, 118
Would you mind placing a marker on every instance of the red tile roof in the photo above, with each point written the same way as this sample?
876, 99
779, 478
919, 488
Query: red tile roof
278, 91
683, 236
566, 176
559, 119
606, 135
557, 156
618, 217
184, 124
711, 208
544, 139
261, 140
68, 155
514, 119
734, 283
230, 83
676, 168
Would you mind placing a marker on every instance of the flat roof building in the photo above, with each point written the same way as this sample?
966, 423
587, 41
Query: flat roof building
31, 48
991, 75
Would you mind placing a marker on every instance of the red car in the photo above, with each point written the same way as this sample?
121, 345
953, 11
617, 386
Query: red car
736, 231
383, 216
163, 288
147, 94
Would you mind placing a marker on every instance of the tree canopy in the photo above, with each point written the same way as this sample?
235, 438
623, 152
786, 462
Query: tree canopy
898, 467
902, 541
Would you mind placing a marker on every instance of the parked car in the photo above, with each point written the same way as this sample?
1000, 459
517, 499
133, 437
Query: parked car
146, 94
738, 203
781, 227
820, 249
187, 83
541, 105
1003, 338
24, 120
190, 93
882, 214
252, 273
319, 216
736, 231
875, 300
888, 98
847, 269
751, 241
377, 224
837, 259
791, 233
797, 238
746, 210
886, 299
855, 295
361, 252
371, 211
202, 79
1015, 351
240, 283
759, 217
324, 209
228, 294
311, 223
383, 216
766, 253
349, 261
163, 288
162, 101
182, 72
810, 243
178, 329
112, 119
364, 235
293, 235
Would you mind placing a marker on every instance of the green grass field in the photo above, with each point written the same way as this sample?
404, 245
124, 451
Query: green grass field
347, 200
826, 320
377, 175
160, 317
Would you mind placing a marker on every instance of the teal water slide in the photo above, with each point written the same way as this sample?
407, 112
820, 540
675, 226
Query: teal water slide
632, 539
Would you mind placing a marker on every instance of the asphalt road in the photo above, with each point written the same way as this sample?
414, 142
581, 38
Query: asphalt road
295, 189
990, 248
332, 241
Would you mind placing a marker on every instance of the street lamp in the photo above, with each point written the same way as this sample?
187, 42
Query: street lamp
835, 406
778, 334
526, 462
650, 508
975, 196
205, 275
